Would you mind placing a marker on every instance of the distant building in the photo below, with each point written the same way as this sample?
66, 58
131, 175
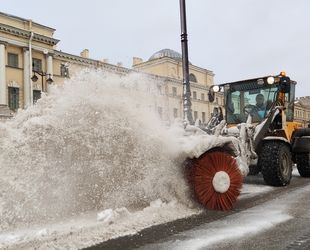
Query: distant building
30, 61
302, 111
168, 64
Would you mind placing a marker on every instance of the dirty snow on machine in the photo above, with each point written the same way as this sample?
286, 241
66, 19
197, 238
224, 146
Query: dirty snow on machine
257, 135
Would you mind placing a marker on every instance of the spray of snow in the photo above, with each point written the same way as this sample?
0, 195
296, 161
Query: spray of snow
92, 144
93, 152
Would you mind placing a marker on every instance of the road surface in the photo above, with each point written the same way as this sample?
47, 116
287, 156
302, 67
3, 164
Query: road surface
276, 219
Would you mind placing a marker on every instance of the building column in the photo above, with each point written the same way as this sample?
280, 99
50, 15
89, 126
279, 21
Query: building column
27, 80
3, 92
50, 65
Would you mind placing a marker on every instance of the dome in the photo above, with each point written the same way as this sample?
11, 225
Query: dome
166, 53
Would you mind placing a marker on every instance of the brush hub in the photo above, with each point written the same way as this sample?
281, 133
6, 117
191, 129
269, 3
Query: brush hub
221, 182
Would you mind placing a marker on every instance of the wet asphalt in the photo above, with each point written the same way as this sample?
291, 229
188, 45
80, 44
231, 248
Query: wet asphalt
291, 234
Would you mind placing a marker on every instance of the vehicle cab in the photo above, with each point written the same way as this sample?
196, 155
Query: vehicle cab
256, 97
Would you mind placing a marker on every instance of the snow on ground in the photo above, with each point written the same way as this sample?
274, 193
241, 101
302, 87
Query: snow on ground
250, 190
238, 225
295, 172
92, 228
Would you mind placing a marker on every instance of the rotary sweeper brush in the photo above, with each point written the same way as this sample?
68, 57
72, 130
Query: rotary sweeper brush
257, 135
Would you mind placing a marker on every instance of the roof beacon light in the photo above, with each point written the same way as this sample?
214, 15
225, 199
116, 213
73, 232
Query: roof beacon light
283, 73
270, 80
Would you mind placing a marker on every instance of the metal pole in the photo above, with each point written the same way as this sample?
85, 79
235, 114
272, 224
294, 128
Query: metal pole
187, 111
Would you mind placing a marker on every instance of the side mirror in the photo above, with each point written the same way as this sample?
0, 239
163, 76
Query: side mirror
211, 95
213, 89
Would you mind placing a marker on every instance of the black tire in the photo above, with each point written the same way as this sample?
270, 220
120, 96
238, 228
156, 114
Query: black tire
303, 164
301, 132
254, 170
276, 163
300, 145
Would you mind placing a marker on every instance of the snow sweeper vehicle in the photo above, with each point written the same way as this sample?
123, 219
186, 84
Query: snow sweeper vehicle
257, 135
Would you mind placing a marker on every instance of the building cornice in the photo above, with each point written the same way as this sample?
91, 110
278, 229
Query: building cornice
122, 70
180, 82
71, 57
92, 62
25, 20
173, 61
26, 34
24, 44
302, 105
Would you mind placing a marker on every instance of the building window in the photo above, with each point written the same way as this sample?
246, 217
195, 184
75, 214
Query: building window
36, 96
195, 115
166, 90
159, 89
64, 70
13, 60
195, 95
13, 98
216, 100
175, 113
36, 64
202, 97
160, 112
192, 77
203, 117
174, 91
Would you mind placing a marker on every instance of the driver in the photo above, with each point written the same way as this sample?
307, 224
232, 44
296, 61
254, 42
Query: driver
260, 102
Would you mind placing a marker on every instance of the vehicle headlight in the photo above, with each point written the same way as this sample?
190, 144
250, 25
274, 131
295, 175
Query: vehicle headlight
216, 88
270, 80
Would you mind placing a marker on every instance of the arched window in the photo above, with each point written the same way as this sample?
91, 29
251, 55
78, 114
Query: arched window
192, 77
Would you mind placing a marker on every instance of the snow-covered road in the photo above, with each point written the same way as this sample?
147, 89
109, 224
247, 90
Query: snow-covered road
240, 226
92, 228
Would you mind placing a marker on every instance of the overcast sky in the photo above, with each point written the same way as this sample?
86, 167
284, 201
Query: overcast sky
236, 39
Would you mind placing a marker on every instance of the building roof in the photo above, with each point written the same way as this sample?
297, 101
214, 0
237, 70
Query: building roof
303, 101
166, 53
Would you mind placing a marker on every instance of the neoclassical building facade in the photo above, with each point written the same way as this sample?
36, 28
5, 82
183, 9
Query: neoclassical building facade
302, 111
30, 61
167, 63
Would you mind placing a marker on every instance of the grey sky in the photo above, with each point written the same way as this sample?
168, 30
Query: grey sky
236, 39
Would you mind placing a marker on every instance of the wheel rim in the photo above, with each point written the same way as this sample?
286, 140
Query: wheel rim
285, 165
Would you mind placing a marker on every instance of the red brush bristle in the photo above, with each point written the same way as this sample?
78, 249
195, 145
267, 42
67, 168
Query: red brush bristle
201, 173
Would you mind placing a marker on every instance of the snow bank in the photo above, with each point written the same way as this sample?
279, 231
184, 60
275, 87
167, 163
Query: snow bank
89, 229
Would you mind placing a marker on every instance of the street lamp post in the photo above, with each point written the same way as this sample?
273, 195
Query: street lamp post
49, 79
187, 104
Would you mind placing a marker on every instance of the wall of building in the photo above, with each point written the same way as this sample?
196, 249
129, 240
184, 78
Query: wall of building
172, 70
302, 111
